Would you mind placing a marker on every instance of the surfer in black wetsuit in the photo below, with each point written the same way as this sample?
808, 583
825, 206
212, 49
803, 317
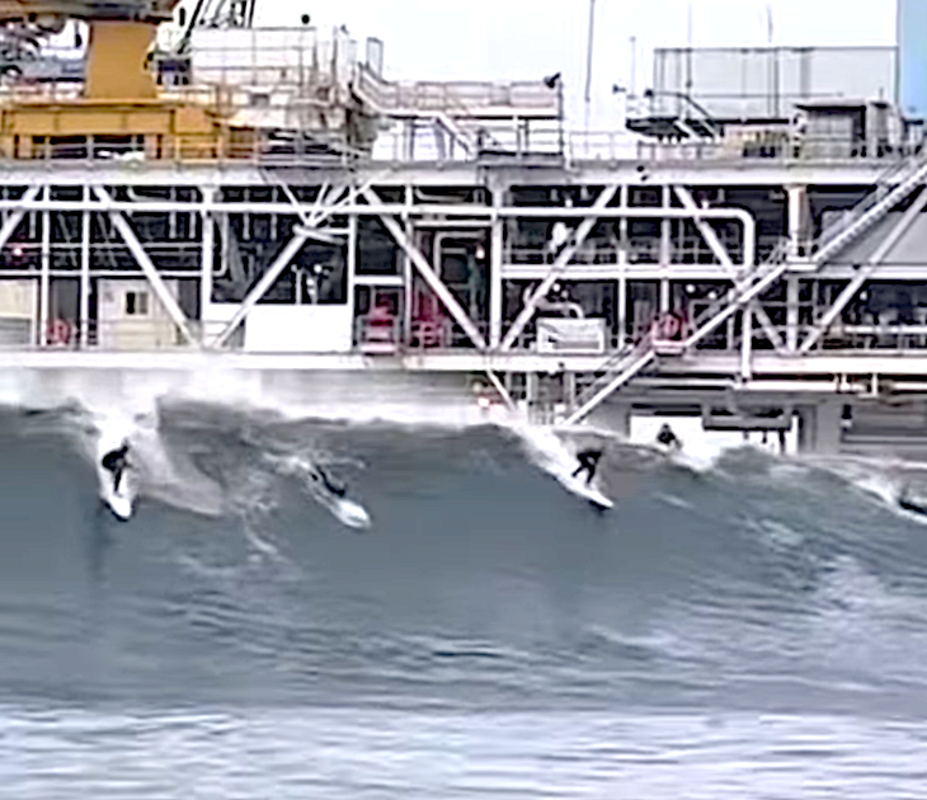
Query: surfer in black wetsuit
913, 504
668, 439
588, 462
320, 475
116, 462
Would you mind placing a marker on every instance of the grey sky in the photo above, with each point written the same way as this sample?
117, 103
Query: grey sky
527, 39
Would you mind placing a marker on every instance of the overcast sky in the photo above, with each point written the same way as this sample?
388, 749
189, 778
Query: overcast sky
527, 39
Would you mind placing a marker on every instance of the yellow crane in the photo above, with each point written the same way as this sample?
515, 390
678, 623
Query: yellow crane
120, 102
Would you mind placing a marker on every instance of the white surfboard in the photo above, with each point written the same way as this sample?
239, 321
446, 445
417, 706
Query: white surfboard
547, 450
121, 503
348, 512
589, 492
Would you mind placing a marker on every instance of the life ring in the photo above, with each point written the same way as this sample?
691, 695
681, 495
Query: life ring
59, 332
667, 327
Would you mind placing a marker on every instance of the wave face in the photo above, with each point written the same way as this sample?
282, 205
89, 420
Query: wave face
759, 627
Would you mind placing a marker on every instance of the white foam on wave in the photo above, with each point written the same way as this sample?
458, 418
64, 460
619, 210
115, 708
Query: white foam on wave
549, 451
123, 405
121, 411
122, 402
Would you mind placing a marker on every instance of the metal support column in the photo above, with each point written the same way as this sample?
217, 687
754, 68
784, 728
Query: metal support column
623, 239
408, 275
746, 349
208, 263
798, 200
533, 394
352, 269
495, 274
665, 299
569, 386
623, 253
665, 255
85, 273
791, 310
45, 281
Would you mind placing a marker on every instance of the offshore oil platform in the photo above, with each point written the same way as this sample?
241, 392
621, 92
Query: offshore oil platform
181, 188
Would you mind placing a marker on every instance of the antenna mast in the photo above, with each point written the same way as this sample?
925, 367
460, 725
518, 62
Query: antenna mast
589, 52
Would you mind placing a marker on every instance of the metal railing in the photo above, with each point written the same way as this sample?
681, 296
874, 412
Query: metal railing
639, 250
625, 355
894, 182
309, 146
467, 97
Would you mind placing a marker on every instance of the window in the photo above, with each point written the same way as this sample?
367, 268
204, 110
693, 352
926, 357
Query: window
136, 304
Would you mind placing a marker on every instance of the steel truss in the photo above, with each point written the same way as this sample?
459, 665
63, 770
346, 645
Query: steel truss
52, 232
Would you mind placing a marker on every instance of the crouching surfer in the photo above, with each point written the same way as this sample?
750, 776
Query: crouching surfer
669, 439
589, 463
116, 462
908, 502
321, 476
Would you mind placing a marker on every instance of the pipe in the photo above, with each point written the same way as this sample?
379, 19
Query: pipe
563, 307
457, 223
486, 212
85, 274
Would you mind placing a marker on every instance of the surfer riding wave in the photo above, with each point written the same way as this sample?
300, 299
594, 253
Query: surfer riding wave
320, 475
589, 463
116, 462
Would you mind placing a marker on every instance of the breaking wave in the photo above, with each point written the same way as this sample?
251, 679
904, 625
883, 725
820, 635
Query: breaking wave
754, 586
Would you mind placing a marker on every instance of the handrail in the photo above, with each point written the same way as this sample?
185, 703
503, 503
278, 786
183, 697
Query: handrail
885, 186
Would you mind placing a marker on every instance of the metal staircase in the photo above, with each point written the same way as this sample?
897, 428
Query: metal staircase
893, 187
619, 369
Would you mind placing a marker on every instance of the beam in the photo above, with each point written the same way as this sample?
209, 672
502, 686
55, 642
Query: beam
45, 280
319, 236
302, 233
495, 274
10, 224
428, 273
636, 361
746, 351
13, 220
85, 275
878, 256
268, 279
351, 268
793, 291
500, 388
708, 233
345, 207
565, 257
149, 269
208, 266
724, 259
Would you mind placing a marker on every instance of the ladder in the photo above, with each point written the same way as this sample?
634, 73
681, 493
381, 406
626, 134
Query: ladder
619, 369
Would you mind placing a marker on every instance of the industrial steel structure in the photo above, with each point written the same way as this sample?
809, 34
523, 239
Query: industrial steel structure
267, 200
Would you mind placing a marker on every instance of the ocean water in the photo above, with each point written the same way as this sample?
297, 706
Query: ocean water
753, 629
